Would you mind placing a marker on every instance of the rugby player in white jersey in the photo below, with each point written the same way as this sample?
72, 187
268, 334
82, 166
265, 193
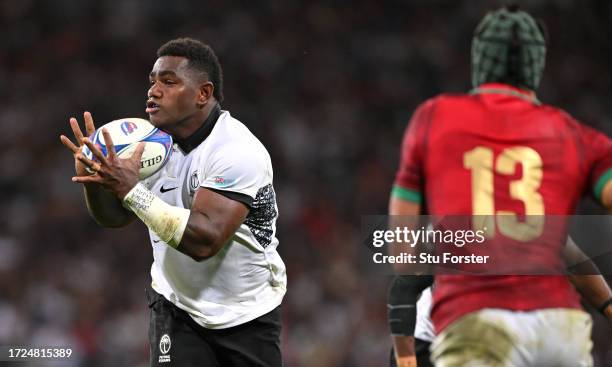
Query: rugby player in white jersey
217, 279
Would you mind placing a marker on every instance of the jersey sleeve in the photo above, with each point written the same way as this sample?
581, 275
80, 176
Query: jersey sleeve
598, 151
235, 171
409, 183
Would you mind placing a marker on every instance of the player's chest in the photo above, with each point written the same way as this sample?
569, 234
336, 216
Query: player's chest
179, 180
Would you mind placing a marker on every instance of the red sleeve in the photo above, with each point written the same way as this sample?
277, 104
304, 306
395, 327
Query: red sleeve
598, 154
409, 180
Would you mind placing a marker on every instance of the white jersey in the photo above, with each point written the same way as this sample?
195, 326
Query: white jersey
424, 329
246, 278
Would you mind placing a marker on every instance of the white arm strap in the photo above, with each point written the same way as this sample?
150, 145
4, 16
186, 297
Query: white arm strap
167, 221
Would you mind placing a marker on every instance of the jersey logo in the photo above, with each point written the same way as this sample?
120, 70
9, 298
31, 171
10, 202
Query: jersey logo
128, 127
194, 183
222, 181
163, 189
164, 347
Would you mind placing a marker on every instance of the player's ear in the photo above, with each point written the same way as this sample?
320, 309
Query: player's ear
205, 93
543, 29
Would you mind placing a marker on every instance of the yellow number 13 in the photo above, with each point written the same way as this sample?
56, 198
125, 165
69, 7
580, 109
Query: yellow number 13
480, 161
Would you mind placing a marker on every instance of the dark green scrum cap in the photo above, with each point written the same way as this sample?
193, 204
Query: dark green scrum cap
509, 47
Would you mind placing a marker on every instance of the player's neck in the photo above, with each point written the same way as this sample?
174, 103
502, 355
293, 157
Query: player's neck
203, 129
185, 128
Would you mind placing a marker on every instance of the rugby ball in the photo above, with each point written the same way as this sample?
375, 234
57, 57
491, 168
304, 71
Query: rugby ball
126, 134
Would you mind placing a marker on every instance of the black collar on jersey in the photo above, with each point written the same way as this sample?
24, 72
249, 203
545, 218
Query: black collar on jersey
189, 144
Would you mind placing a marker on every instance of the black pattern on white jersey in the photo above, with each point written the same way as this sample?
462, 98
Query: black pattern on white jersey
262, 215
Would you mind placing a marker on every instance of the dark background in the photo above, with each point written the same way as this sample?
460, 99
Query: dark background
327, 86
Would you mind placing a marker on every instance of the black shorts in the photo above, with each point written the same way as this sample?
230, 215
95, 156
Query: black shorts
421, 350
175, 339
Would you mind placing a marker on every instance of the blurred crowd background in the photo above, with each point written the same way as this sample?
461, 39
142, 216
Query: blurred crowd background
328, 87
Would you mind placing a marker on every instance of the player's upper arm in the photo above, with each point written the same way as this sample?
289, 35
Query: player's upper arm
229, 182
606, 193
105, 208
599, 157
214, 219
409, 179
237, 171
406, 195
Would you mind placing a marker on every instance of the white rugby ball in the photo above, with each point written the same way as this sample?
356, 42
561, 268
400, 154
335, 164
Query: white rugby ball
126, 134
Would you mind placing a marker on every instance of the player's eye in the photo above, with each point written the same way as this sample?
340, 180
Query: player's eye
169, 81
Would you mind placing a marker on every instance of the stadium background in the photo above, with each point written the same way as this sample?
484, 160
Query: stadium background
327, 87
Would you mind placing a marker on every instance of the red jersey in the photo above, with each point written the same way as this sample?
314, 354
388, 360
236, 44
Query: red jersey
500, 150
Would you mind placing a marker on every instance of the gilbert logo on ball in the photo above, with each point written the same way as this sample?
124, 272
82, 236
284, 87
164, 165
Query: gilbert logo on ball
126, 134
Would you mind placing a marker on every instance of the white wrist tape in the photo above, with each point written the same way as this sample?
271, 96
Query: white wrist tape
167, 221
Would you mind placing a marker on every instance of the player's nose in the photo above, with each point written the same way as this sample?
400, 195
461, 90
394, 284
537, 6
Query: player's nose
154, 91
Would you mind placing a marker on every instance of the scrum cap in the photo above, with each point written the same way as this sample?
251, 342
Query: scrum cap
509, 47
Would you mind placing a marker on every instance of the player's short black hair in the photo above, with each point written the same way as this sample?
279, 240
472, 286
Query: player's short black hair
201, 58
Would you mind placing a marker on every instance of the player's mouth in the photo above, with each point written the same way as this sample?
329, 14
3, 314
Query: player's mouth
152, 107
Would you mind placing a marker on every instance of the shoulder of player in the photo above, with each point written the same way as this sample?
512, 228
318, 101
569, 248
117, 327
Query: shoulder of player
423, 111
230, 130
557, 112
426, 111
232, 139
569, 121
445, 100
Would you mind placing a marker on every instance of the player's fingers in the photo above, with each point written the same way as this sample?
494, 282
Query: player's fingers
89, 123
76, 130
95, 150
138, 152
69, 144
87, 179
110, 146
94, 166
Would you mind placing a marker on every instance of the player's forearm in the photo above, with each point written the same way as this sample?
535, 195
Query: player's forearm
404, 351
189, 231
105, 208
593, 288
405, 216
586, 277
596, 291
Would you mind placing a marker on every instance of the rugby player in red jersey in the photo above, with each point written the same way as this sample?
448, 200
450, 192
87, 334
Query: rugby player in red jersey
499, 150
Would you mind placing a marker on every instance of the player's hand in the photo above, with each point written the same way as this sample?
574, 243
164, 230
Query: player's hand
76, 149
405, 354
113, 173
406, 361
